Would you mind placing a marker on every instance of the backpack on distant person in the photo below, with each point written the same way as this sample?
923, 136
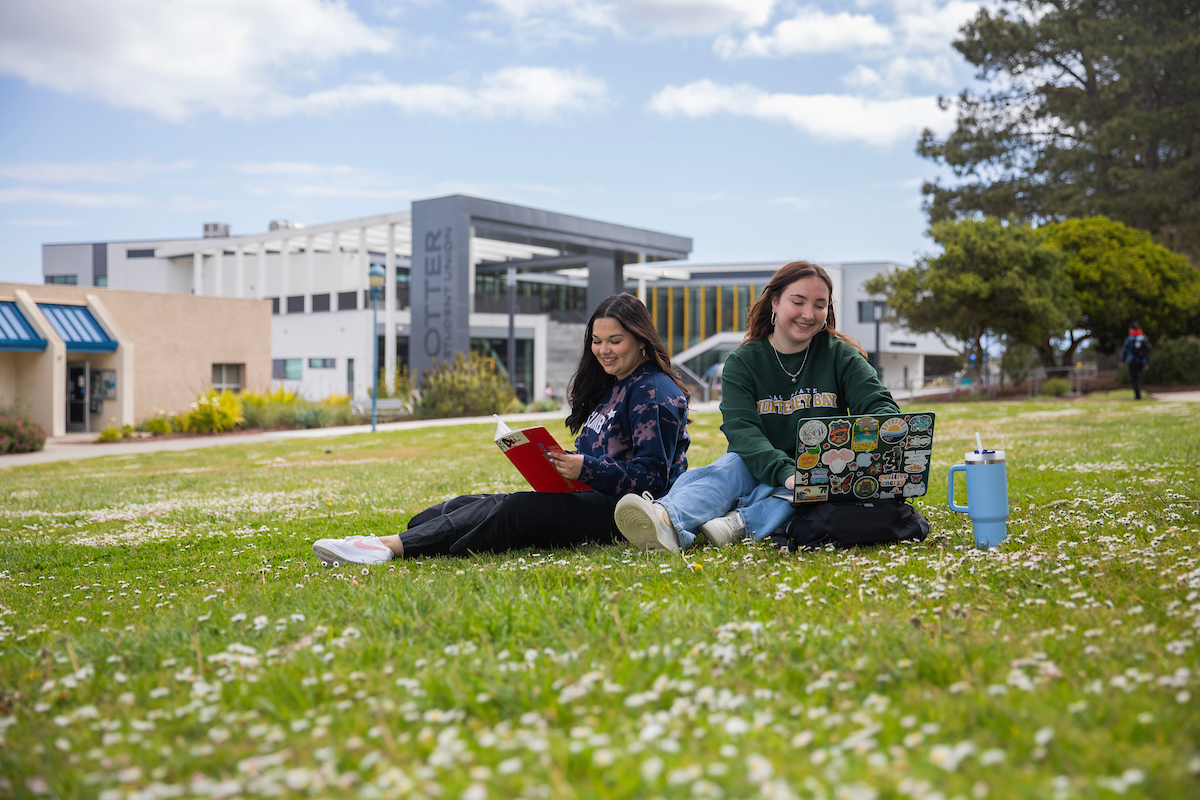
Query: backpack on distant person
1141, 349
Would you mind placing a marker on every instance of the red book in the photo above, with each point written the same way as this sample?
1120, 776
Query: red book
529, 450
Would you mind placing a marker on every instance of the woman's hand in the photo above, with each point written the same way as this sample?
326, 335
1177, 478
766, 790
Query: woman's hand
569, 465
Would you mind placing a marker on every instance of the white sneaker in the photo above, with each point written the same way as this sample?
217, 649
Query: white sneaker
352, 550
725, 530
645, 523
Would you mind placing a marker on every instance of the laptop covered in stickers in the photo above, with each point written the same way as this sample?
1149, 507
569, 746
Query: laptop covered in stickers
863, 457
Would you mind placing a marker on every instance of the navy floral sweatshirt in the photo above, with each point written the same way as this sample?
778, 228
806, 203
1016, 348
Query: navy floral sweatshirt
636, 440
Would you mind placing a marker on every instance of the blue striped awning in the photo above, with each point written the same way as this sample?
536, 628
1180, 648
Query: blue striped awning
78, 328
15, 332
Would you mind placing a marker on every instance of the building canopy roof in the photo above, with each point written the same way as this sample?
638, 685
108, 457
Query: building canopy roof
15, 332
78, 328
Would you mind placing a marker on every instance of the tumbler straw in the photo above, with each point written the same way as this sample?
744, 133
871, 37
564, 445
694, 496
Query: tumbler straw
979, 442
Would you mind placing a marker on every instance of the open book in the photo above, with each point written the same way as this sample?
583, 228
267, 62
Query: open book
529, 450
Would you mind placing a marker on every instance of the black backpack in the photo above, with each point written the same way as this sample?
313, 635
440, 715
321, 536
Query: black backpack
848, 524
1141, 349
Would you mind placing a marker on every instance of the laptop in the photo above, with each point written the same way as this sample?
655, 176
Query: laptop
865, 457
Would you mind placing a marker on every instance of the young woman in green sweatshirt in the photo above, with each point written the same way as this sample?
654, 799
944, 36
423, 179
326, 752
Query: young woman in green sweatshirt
793, 364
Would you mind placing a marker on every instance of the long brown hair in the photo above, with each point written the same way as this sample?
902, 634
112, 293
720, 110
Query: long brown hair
758, 320
590, 381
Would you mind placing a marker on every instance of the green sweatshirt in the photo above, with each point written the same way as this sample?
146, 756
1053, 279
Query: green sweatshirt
761, 409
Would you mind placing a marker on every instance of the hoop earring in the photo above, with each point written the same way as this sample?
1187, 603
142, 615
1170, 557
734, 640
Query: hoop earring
772, 317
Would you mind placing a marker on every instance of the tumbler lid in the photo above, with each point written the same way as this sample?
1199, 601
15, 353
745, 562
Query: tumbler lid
985, 457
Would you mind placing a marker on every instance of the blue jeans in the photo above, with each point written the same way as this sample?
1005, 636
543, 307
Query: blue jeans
713, 491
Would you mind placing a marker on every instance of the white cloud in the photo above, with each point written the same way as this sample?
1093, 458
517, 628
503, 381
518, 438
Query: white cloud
823, 116
248, 58
87, 171
309, 180
556, 18
536, 93
177, 59
811, 30
930, 25
44, 223
896, 73
78, 199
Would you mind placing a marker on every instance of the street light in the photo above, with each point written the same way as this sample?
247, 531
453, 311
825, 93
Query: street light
376, 275
878, 312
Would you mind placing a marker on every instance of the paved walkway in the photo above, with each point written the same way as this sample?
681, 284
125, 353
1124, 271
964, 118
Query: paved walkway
82, 445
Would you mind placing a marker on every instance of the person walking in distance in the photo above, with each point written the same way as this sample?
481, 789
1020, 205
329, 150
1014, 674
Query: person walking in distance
1135, 354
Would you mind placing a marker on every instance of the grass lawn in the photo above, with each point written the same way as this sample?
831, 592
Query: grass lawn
165, 631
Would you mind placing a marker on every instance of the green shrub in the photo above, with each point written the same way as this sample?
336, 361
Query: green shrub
214, 412
464, 387
337, 410
109, 434
310, 416
545, 404
18, 432
157, 426
127, 431
1056, 387
401, 382
1174, 362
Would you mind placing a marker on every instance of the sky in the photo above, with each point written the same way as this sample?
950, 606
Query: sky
766, 130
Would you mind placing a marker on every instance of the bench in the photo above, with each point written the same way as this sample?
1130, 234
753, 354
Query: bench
384, 407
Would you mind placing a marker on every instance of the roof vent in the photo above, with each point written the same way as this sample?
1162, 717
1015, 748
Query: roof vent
216, 230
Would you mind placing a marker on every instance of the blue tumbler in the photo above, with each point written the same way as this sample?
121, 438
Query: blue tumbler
987, 495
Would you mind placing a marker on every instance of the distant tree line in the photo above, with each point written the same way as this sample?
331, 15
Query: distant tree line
1072, 183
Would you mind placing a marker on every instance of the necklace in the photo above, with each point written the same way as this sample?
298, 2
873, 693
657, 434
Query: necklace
796, 375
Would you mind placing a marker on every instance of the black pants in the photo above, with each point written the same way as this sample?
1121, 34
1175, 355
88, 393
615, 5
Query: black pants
1135, 378
478, 523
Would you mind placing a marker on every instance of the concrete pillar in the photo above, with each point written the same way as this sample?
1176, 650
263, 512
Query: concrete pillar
197, 273
606, 276
219, 272
360, 282
335, 268
389, 310
285, 247
239, 271
261, 263
310, 265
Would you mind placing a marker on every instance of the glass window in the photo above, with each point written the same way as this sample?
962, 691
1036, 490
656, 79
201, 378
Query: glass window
139, 253
295, 304
102, 281
320, 302
63, 280
286, 369
866, 311
347, 301
274, 305
322, 363
227, 376
675, 296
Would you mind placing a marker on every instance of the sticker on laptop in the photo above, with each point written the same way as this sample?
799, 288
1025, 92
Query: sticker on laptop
893, 430
866, 435
839, 432
813, 432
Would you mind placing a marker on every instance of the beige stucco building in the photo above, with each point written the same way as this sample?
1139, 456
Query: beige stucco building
83, 358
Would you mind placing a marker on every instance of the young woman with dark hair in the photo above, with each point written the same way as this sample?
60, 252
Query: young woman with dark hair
792, 365
630, 411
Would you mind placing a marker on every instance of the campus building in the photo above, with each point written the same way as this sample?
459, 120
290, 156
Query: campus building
82, 359
463, 272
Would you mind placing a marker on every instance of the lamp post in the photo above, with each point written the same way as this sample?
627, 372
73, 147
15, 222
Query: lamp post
376, 277
878, 312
